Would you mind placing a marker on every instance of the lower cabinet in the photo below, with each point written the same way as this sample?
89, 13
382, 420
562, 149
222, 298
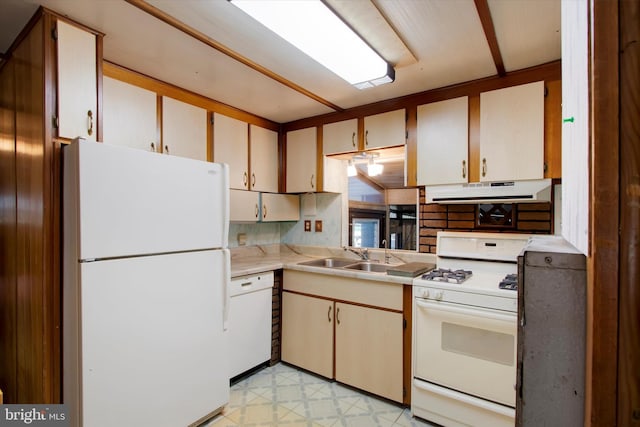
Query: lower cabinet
369, 349
337, 335
307, 333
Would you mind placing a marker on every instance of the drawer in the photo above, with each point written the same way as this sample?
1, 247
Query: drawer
251, 283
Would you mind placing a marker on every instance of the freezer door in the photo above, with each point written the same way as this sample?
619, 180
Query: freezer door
152, 342
132, 202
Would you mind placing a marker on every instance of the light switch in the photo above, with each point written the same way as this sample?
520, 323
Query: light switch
307, 225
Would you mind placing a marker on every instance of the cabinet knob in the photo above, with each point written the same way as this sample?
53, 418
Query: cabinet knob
353, 139
464, 168
366, 137
338, 315
166, 149
329, 314
90, 122
153, 147
244, 179
264, 211
257, 210
484, 167
312, 176
253, 180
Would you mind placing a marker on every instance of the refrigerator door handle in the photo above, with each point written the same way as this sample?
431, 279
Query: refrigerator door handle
226, 297
227, 204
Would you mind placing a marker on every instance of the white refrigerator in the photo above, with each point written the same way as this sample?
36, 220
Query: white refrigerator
145, 287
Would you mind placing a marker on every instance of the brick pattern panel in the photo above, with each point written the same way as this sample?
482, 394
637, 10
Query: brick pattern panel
531, 218
275, 317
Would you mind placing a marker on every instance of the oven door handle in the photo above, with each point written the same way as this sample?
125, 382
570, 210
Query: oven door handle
489, 406
477, 312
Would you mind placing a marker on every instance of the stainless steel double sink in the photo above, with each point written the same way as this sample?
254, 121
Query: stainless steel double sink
366, 266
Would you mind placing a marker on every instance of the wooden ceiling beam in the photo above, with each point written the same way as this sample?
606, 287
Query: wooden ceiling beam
203, 38
490, 32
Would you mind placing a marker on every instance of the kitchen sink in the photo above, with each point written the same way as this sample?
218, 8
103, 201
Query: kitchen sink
370, 267
328, 262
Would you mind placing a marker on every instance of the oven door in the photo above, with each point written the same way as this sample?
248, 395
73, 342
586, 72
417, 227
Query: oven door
469, 349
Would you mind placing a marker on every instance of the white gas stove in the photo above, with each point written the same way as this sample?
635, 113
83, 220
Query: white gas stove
465, 331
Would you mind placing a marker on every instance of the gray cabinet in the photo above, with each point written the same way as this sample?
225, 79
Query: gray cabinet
552, 284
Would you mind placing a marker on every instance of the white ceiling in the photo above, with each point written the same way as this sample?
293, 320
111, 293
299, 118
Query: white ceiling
432, 43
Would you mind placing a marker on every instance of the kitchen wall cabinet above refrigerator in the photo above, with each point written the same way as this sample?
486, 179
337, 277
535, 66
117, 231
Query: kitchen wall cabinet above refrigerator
250, 151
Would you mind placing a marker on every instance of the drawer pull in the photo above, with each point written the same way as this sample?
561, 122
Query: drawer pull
246, 284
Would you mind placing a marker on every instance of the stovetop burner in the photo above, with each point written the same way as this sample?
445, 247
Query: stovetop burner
509, 282
447, 275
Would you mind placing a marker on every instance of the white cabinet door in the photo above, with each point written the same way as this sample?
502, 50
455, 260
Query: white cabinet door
307, 333
129, 115
184, 129
369, 349
245, 206
231, 146
280, 207
443, 141
264, 159
340, 137
301, 161
385, 130
77, 83
512, 133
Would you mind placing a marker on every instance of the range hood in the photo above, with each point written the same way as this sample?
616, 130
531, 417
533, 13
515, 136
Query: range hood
491, 192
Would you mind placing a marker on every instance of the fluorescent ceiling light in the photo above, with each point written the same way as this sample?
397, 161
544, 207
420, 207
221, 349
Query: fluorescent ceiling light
313, 28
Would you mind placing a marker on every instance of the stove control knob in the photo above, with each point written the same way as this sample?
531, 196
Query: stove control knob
425, 293
438, 295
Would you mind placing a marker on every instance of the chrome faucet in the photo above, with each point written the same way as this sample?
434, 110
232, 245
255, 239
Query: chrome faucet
387, 257
363, 253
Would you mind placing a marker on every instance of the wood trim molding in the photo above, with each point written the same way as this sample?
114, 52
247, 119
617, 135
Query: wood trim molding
203, 38
547, 72
135, 78
482, 6
603, 270
628, 411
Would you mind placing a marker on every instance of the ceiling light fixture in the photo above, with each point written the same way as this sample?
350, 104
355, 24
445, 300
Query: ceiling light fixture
316, 30
351, 169
373, 167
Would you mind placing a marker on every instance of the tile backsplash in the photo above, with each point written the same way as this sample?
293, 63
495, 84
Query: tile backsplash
328, 209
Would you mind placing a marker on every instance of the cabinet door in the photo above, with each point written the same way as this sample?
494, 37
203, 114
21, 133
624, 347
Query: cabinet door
385, 130
231, 146
369, 349
184, 129
443, 140
77, 83
512, 133
280, 207
340, 137
264, 159
244, 206
129, 114
301, 160
307, 333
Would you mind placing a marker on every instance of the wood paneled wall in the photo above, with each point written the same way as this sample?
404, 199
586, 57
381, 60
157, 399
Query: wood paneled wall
30, 362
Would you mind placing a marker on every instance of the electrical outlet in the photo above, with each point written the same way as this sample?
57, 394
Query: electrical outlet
242, 239
318, 226
307, 225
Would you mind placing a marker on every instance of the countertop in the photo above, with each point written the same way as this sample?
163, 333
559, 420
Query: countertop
258, 259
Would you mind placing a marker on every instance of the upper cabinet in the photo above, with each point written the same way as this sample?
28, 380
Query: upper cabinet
340, 137
184, 129
129, 115
230, 146
443, 140
301, 161
77, 82
263, 159
385, 130
512, 133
